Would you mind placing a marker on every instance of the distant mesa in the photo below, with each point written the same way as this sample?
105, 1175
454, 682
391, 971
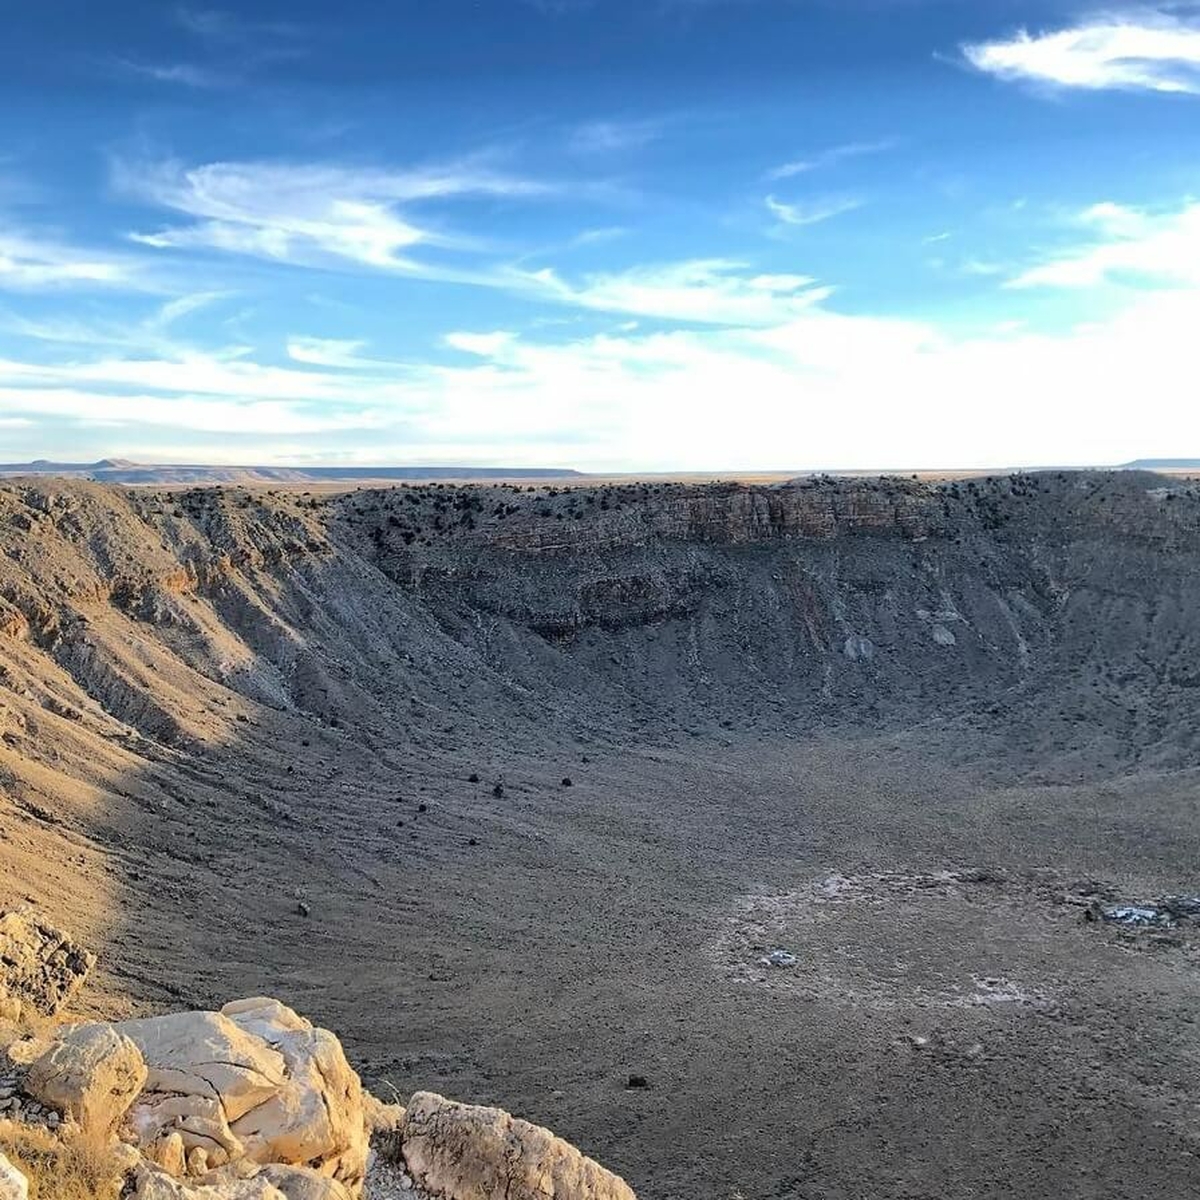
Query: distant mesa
123, 470
1162, 464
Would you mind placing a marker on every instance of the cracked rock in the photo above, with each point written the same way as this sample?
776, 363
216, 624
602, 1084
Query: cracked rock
465, 1152
255, 1083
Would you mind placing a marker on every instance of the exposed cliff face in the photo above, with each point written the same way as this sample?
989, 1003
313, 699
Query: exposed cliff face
833, 600
649, 604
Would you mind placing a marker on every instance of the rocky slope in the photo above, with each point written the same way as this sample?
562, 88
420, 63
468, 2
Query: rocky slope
480, 773
248, 1103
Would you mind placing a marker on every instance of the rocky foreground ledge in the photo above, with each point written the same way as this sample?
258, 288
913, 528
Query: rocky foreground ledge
249, 1103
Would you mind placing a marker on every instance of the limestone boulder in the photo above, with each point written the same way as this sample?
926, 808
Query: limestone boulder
91, 1075
13, 1184
41, 968
150, 1184
382, 1118
254, 1082
302, 1183
202, 1072
316, 1117
168, 1152
466, 1152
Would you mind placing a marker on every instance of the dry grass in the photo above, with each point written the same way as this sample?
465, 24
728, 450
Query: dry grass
71, 1167
30, 1024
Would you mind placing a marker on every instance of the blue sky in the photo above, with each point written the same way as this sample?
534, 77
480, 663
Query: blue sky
610, 234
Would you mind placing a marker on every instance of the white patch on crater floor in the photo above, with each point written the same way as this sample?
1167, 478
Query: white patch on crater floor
892, 940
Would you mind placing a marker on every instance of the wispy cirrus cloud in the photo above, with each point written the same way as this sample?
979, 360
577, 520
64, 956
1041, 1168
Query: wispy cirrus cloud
811, 212
310, 214
151, 332
29, 262
185, 74
220, 25
1142, 50
230, 47
612, 136
323, 216
702, 291
831, 157
1121, 243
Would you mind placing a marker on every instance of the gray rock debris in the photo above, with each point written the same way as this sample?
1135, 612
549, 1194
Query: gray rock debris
41, 968
779, 958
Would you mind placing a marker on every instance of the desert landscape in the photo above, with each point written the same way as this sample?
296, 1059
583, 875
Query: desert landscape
815, 840
600, 599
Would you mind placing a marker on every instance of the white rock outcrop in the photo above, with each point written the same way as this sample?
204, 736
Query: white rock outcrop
255, 1103
153, 1185
90, 1075
466, 1152
317, 1115
255, 1082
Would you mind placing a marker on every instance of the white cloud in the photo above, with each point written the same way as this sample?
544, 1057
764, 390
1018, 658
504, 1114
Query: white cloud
310, 214
1145, 50
708, 291
830, 157
337, 353
831, 390
811, 388
811, 213
186, 74
1125, 243
606, 137
29, 263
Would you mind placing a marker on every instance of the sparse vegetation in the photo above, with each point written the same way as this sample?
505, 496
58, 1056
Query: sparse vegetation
65, 1166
